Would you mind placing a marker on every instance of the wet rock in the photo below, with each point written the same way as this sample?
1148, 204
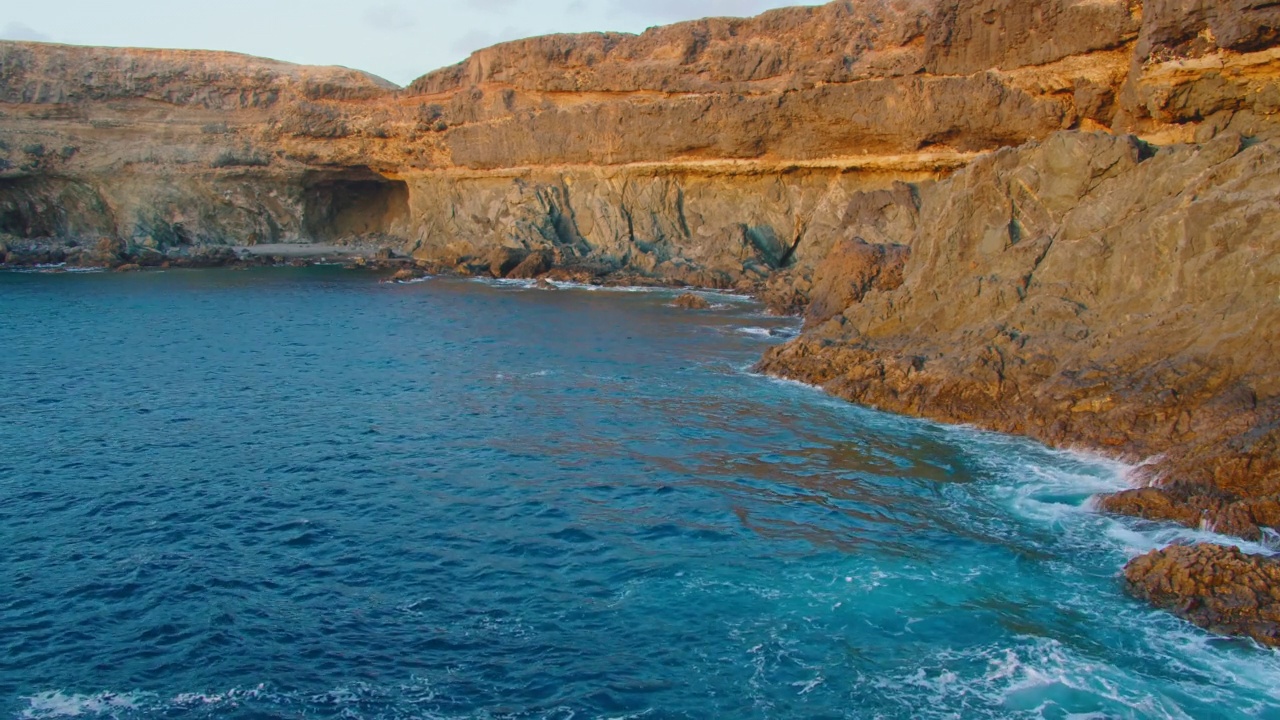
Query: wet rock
1216, 587
407, 274
503, 260
1197, 505
689, 301
211, 256
109, 252
577, 275
128, 267
535, 264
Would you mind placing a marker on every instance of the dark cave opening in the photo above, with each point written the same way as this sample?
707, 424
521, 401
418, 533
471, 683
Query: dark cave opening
24, 212
353, 203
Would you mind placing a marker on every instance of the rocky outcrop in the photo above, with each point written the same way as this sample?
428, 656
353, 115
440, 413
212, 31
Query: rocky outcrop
1090, 289
689, 301
1055, 218
1218, 588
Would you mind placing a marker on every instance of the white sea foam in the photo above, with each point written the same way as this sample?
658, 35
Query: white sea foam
57, 704
1037, 678
403, 700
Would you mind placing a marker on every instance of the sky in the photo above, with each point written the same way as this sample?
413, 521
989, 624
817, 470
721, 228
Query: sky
396, 39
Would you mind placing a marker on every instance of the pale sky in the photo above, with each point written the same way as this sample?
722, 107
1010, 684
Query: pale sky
397, 39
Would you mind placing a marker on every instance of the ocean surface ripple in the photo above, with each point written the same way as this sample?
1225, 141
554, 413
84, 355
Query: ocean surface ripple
303, 493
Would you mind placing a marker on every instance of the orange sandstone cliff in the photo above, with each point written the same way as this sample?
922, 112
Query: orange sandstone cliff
1058, 218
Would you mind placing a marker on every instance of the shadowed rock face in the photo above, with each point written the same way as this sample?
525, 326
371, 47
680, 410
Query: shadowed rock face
1055, 218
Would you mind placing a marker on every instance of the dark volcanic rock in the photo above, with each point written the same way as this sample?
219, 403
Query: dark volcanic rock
1218, 588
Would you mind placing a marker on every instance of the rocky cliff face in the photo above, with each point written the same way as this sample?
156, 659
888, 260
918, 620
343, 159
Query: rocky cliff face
1055, 218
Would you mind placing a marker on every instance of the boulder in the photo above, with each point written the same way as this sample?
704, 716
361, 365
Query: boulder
1216, 587
406, 274
535, 264
503, 260
689, 301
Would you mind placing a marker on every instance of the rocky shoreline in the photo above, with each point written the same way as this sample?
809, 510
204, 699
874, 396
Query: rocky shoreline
1216, 587
1056, 219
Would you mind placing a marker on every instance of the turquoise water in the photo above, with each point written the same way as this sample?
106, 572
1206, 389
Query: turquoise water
305, 493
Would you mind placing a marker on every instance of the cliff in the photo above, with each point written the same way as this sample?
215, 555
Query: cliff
1054, 218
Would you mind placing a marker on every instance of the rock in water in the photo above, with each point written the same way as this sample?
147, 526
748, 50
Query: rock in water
532, 266
503, 260
406, 274
1216, 587
689, 301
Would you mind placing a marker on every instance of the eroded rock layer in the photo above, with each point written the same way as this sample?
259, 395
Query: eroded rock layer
1056, 218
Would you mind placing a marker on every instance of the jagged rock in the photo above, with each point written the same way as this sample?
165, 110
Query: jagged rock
535, 264
852, 269
1218, 588
1199, 505
212, 256
502, 260
110, 251
1051, 292
689, 301
406, 274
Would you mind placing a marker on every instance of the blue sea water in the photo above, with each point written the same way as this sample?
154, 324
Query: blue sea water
305, 493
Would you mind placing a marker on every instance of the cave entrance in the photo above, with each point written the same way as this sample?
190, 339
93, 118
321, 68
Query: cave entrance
354, 203
25, 212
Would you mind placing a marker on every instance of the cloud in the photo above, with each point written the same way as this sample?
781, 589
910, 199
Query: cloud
19, 31
389, 16
491, 5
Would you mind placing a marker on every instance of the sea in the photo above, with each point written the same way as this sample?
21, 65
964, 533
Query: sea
314, 493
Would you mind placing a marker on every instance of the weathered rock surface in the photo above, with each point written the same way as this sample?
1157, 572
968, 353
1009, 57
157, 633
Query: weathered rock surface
1218, 588
689, 301
1057, 218
1090, 289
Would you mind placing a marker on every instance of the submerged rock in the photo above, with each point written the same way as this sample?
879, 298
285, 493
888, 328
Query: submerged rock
1216, 587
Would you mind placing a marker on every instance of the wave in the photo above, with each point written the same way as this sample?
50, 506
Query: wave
403, 700
1037, 678
49, 267
57, 704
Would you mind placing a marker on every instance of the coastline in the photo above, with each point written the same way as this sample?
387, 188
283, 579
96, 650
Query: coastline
1056, 220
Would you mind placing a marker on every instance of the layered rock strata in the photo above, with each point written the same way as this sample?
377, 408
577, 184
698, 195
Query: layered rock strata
1055, 218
